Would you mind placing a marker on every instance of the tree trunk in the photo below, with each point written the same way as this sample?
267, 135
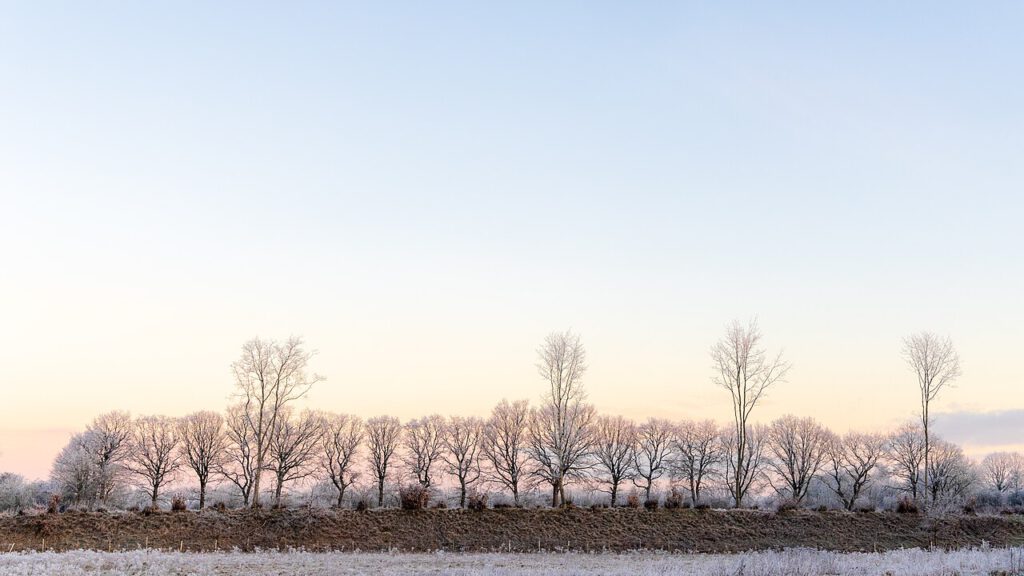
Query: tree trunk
277, 492
554, 494
380, 493
615, 493
341, 496
462, 493
256, 481
202, 493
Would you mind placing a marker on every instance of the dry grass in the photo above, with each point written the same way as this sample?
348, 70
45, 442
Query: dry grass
505, 530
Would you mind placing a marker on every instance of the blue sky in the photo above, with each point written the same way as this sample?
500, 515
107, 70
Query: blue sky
423, 190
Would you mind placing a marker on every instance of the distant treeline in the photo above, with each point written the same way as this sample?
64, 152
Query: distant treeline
557, 452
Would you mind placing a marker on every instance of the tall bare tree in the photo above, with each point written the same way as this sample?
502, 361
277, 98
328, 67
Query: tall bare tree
614, 449
505, 444
561, 429
239, 463
906, 454
382, 437
269, 376
462, 439
293, 447
110, 440
154, 454
342, 437
797, 449
203, 446
423, 443
746, 370
937, 365
849, 463
698, 451
651, 457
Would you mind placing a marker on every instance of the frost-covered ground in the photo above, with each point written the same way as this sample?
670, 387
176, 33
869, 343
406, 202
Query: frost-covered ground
789, 563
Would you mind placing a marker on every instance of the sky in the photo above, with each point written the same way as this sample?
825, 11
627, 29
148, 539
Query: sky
423, 191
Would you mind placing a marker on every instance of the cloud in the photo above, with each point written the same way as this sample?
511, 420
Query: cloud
1004, 428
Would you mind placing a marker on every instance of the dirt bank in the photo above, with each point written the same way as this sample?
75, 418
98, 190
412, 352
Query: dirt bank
515, 530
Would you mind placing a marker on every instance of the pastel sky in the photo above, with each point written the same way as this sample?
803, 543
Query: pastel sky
423, 190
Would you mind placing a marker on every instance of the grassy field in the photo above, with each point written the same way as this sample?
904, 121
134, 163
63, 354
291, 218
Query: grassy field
797, 562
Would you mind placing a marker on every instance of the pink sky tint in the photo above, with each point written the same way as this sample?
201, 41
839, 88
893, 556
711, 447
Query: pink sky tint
31, 452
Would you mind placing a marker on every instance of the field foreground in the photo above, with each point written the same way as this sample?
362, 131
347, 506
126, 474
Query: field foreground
706, 531
796, 562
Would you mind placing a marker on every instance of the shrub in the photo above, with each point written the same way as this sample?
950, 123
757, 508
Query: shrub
865, 509
362, 505
821, 508
651, 504
787, 505
413, 497
53, 507
971, 507
674, 500
439, 505
477, 501
1016, 499
702, 506
219, 506
633, 500
178, 504
906, 505
503, 505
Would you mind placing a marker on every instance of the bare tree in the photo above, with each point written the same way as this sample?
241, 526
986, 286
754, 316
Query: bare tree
75, 473
293, 446
797, 449
154, 454
651, 457
937, 365
998, 470
951, 474
560, 445
614, 448
382, 435
342, 437
269, 376
110, 439
698, 451
504, 444
1003, 471
906, 453
423, 441
239, 464
743, 469
560, 430
746, 371
462, 440
204, 445
849, 463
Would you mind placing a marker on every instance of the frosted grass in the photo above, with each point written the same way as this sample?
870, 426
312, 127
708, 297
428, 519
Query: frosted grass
797, 562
